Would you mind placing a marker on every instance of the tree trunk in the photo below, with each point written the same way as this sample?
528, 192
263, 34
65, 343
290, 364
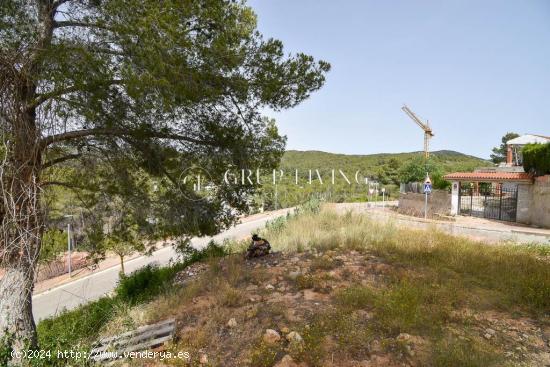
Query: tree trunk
16, 319
20, 234
122, 272
21, 227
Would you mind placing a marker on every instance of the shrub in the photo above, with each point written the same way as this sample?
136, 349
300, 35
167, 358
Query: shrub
276, 225
77, 329
144, 283
536, 158
356, 297
74, 330
452, 352
312, 206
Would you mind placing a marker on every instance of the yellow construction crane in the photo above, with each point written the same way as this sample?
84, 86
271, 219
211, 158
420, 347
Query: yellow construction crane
428, 133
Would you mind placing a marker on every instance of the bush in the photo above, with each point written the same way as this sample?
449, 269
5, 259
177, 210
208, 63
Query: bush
77, 329
144, 284
536, 158
312, 206
73, 330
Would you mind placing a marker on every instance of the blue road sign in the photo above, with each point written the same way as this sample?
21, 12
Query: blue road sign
428, 188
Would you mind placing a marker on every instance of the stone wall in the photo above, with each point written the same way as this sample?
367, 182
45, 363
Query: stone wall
439, 202
534, 202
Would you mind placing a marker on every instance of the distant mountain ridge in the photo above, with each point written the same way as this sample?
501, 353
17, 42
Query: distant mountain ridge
379, 164
443, 152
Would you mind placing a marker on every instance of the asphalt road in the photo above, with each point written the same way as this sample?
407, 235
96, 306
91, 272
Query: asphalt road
96, 285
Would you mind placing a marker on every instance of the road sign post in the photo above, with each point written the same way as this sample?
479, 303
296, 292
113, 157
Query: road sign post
427, 191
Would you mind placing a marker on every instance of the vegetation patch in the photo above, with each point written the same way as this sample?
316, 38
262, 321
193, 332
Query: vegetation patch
358, 292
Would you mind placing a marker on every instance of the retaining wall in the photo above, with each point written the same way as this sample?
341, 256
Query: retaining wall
534, 202
439, 202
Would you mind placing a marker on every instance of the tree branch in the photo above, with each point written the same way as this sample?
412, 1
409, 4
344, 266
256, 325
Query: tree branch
78, 134
63, 184
76, 23
41, 98
61, 160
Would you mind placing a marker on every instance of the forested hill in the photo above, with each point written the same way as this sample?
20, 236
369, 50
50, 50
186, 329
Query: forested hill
448, 160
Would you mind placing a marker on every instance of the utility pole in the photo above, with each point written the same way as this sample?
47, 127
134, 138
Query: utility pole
69, 259
69, 247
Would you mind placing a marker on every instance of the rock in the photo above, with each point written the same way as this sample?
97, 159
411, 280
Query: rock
410, 352
203, 359
294, 274
271, 336
232, 322
375, 346
269, 287
286, 361
294, 337
403, 337
489, 333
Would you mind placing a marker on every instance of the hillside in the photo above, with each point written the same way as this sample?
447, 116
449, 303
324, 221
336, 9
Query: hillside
339, 290
449, 160
383, 168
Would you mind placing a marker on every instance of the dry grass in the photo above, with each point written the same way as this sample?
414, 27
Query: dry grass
519, 273
369, 284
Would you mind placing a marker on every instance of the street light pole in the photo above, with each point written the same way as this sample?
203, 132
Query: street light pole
69, 246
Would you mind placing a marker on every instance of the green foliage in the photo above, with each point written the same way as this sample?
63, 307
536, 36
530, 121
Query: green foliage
452, 352
124, 240
386, 169
125, 98
78, 328
277, 225
265, 355
499, 153
5, 349
415, 170
536, 158
54, 243
144, 283
356, 297
312, 206
142, 127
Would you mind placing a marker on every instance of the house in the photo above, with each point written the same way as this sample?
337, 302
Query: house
514, 146
505, 192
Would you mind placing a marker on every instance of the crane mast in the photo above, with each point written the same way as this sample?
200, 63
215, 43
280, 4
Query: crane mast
428, 133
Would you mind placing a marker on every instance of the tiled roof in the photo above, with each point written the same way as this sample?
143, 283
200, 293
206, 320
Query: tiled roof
489, 176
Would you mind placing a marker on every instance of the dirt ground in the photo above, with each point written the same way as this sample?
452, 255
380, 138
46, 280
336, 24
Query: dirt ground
286, 310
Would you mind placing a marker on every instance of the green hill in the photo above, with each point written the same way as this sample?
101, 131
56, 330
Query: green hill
383, 168
448, 160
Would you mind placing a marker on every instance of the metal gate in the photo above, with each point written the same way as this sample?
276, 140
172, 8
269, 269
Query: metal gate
489, 201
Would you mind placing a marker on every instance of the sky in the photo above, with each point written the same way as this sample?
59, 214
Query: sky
474, 69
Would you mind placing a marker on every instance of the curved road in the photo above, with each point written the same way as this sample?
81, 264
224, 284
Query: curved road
96, 285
